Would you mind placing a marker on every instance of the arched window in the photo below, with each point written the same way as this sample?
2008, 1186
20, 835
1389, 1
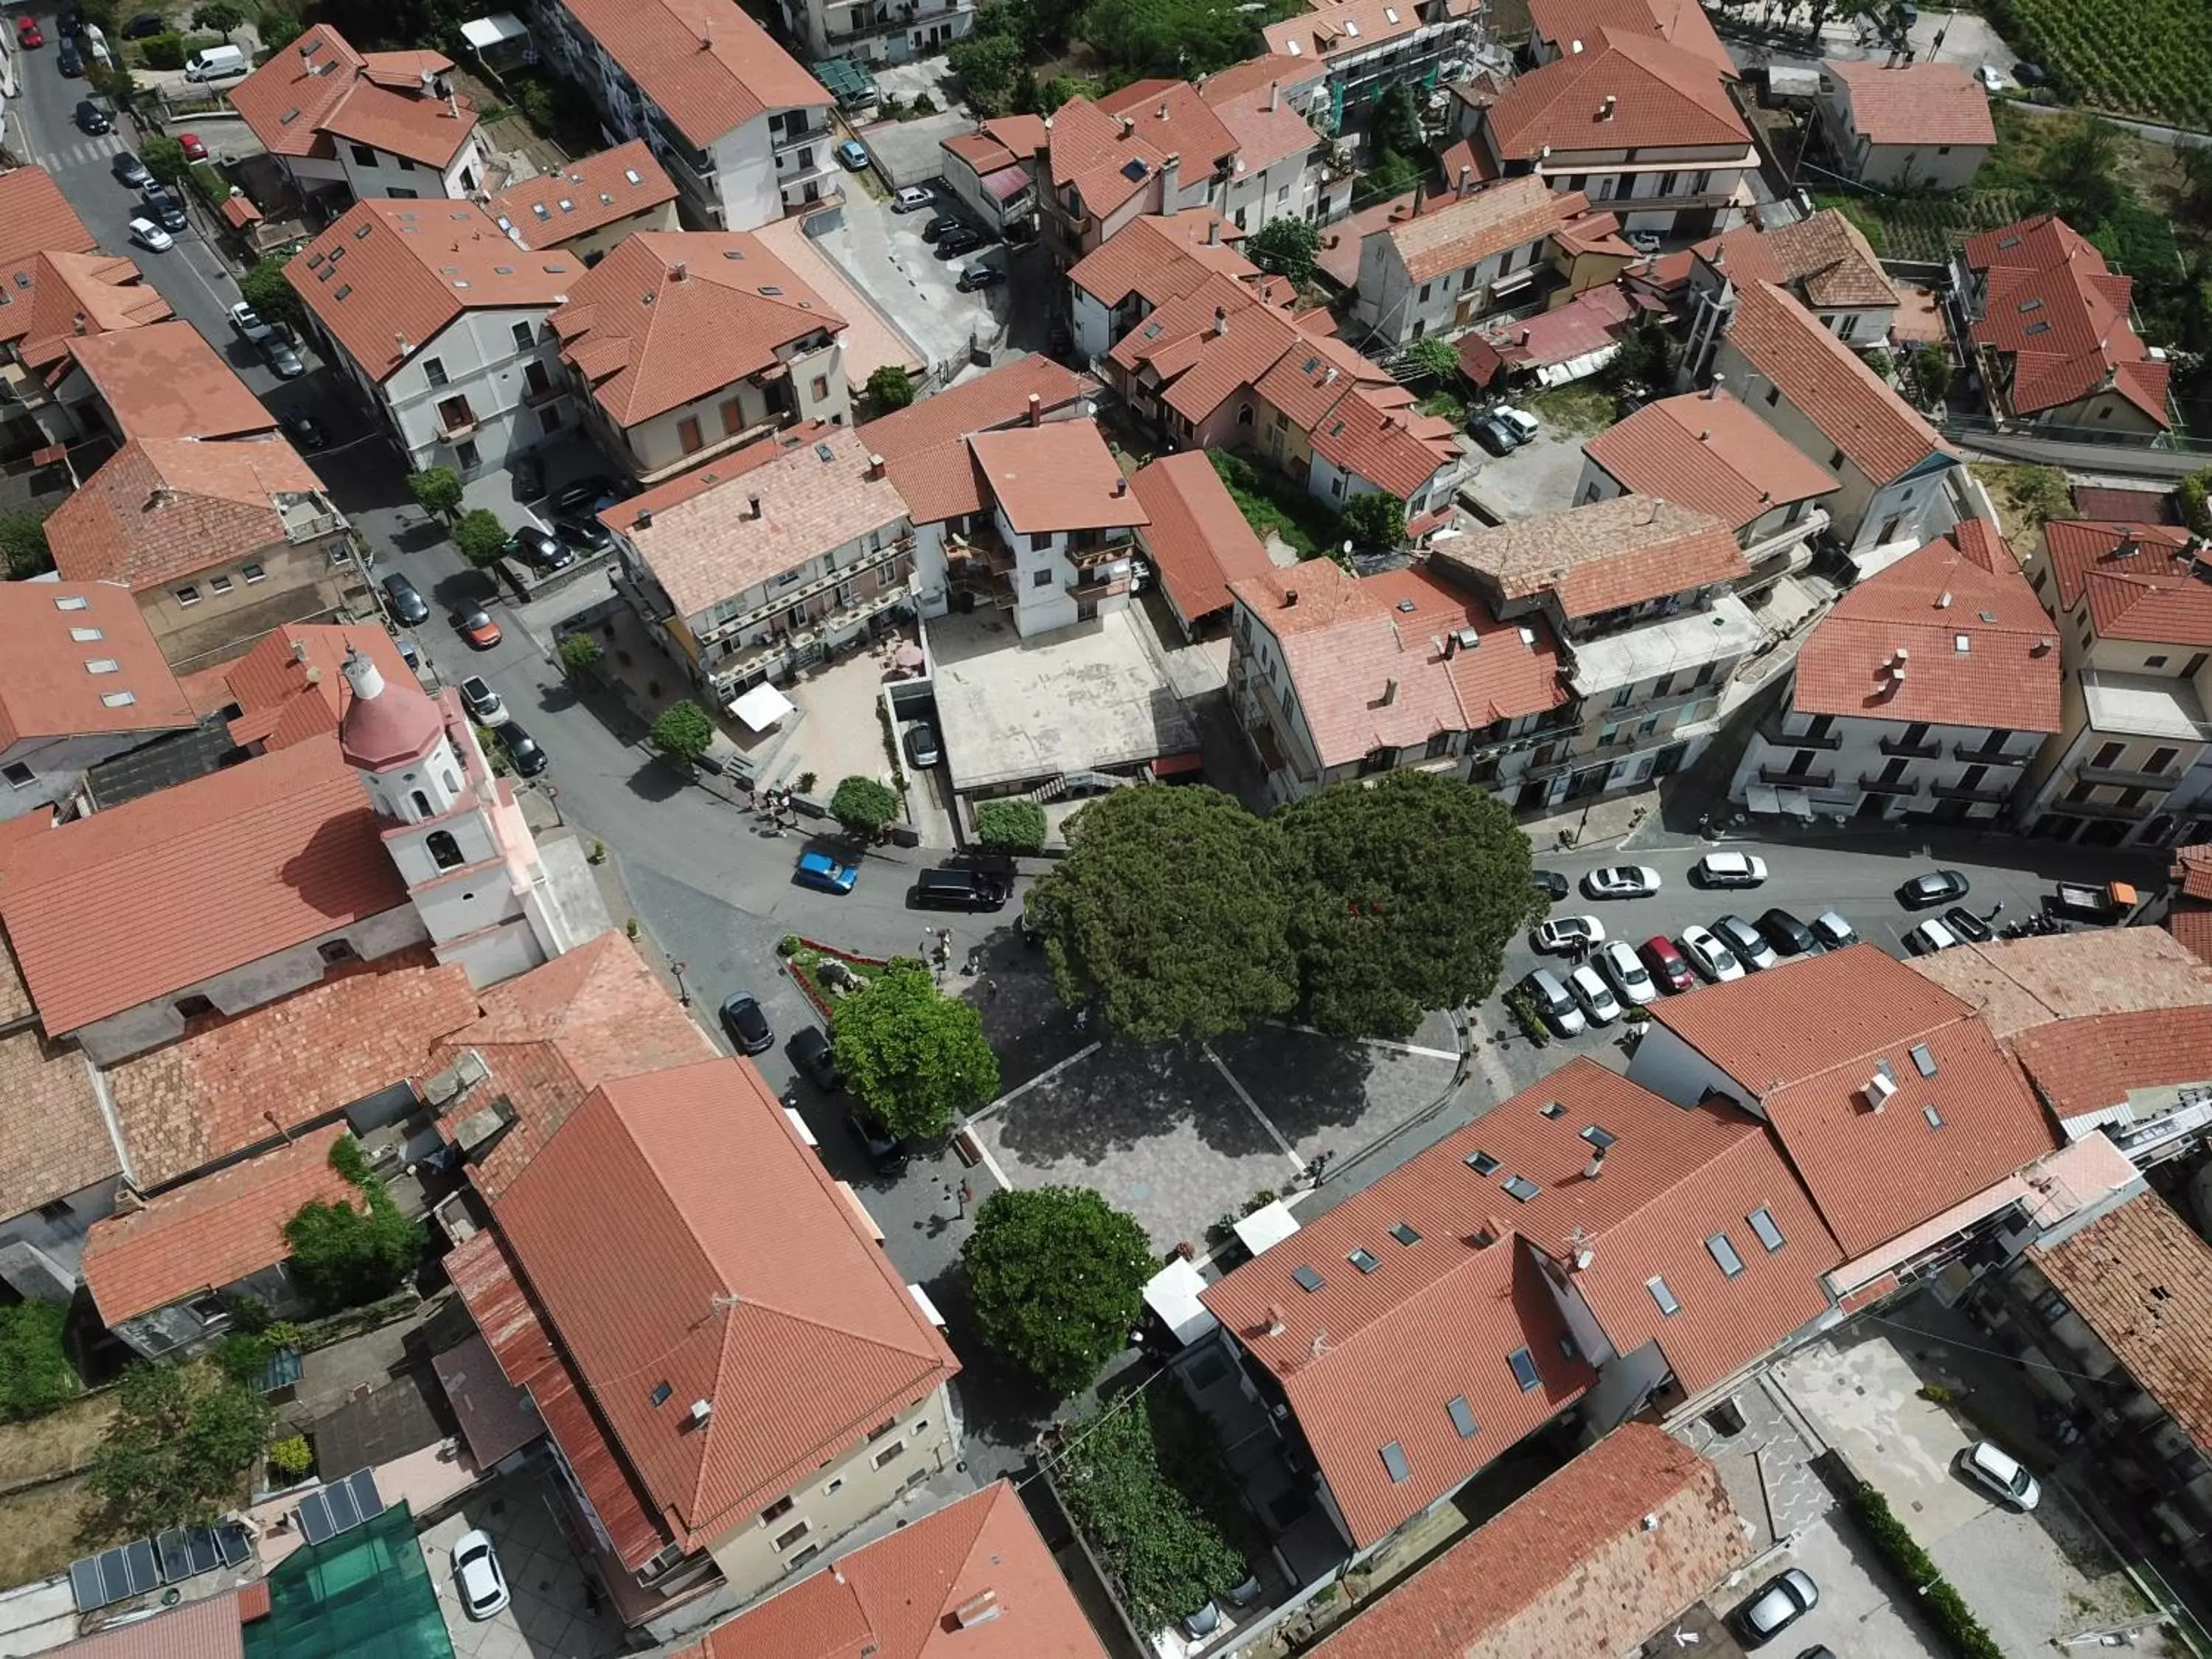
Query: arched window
423, 805
452, 784
444, 849
1244, 414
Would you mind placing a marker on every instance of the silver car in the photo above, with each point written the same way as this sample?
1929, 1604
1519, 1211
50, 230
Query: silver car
1780, 1602
1747, 941
282, 358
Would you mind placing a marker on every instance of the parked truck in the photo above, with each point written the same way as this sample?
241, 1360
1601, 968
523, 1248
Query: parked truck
2081, 901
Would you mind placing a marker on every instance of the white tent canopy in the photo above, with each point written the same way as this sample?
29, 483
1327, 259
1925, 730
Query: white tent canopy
496, 30
760, 709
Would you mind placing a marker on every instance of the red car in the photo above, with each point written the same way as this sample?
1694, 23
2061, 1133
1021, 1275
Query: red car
476, 627
1668, 965
194, 150
26, 34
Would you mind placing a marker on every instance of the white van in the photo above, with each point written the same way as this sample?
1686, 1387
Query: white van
216, 64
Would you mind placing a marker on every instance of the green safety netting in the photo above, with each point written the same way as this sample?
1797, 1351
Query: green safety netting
848, 79
365, 1594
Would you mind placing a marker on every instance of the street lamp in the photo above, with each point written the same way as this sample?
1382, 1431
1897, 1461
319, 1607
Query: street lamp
683, 995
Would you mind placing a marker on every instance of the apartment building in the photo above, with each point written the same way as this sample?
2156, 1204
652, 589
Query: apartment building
349, 125
440, 321
2131, 621
1062, 529
57, 300
741, 128
1335, 57
1555, 27
1822, 262
589, 207
993, 170
684, 345
1105, 168
1904, 126
1283, 167
878, 31
1926, 692
1447, 262
1640, 592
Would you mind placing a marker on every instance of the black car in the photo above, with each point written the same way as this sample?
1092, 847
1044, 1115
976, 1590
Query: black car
588, 494
528, 474
522, 749
976, 277
1493, 435
809, 1050
1789, 936
587, 536
1551, 884
885, 1151
303, 428
747, 1025
130, 170
2030, 75
1936, 887
961, 239
90, 118
163, 207
943, 222
67, 58
540, 547
144, 24
409, 607
1968, 926
947, 888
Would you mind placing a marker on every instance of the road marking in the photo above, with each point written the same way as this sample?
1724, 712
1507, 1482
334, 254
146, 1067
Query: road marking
992, 1163
1252, 1105
1377, 1043
1045, 1076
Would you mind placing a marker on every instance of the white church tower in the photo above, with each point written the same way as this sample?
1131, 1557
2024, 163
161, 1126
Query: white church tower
454, 829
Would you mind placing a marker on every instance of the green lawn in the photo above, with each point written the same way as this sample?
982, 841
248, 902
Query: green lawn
1575, 410
1273, 504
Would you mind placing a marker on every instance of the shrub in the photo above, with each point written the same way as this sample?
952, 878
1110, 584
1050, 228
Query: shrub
890, 387
1374, 520
480, 537
291, 1458
1879, 361
682, 732
35, 1369
1945, 1605
268, 292
1288, 247
1523, 1008
580, 653
805, 781
1436, 355
2196, 501
863, 806
164, 158
1010, 826
176, 1450
345, 1254
23, 550
162, 52
1931, 367
923, 105
241, 1356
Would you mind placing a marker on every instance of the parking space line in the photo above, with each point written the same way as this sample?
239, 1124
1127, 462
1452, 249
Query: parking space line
1020, 1089
1381, 1043
1252, 1105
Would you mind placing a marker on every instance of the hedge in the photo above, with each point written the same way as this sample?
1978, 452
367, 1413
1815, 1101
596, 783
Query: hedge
1946, 1606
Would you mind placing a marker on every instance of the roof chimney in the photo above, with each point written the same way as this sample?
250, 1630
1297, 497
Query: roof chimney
875, 466
1275, 1326
1604, 107
1492, 1231
1221, 319
644, 520
1127, 125
700, 1411
1274, 96
1290, 598
1596, 1167
1705, 434
679, 269
299, 649
1575, 47
1121, 487
1878, 1089
1036, 409
1390, 692
1170, 180
752, 507
1161, 114
1213, 230
1465, 179
979, 1609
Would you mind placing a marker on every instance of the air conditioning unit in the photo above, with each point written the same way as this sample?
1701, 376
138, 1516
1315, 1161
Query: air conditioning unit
1878, 1089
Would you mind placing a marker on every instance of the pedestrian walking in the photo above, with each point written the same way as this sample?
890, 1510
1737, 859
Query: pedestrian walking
990, 990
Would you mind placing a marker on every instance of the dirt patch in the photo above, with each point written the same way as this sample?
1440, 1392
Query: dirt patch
41, 1531
59, 1443
2026, 498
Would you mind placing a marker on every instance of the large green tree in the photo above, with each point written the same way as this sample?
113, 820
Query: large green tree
1179, 38
1406, 893
268, 292
1056, 1276
863, 806
912, 1055
1375, 518
682, 731
177, 1449
1170, 912
1288, 247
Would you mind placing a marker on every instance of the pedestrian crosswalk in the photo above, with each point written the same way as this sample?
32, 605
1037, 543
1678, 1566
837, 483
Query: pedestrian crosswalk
81, 151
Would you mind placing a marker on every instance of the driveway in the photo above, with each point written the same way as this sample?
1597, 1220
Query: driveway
883, 254
1536, 478
1859, 1614
549, 1617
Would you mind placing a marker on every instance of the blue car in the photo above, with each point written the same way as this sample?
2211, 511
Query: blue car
853, 153
820, 870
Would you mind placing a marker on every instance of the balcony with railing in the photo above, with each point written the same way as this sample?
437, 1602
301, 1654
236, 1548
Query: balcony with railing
1779, 544
1919, 748
1771, 730
1988, 757
2130, 777
1880, 786
306, 517
686, 162
1782, 776
776, 610
791, 138
1988, 794
866, 22
456, 420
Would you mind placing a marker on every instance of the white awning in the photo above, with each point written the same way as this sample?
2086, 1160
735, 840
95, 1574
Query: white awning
483, 32
1173, 1295
1269, 1226
929, 1308
1764, 797
761, 708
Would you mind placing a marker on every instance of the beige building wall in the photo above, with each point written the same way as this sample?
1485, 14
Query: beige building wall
221, 610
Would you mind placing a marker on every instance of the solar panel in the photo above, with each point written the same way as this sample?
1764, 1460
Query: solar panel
339, 1507
315, 1519
365, 1496
206, 1555
85, 1585
231, 1543
176, 1553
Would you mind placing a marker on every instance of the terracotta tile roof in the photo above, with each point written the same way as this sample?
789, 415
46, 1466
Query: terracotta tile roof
1662, 96
211, 1233
1459, 231
168, 890
35, 218
2139, 584
320, 86
15, 1004
1708, 451
1107, 163
1802, 1040
1312, 377
1174, 120
1204, 347
1880, 433
1587, 323
232, 1082
1198, 538
584, 197
393, 271
2131, 505
291, 686
1345, 642
2019, 984
553, 1034
1347, 29
1055, 477
983, 153
206, 1629
1572, 1571
633, 1231
161, 510
2192, 869
898, 1598
2142, 1279
47, 687
238, 212
1824, 259
2090, 1064
1926, 103
1375, 433
53, 1140
1006, 141
164, 381
1683, 22
427, 131
1161, 258
1601, 556
1341, 242
1265, 126
671, 317
708, 65
284, 102
2060, 313
1256, 75
706, 546
2190, 922
1982, 647
72, 296
925, 445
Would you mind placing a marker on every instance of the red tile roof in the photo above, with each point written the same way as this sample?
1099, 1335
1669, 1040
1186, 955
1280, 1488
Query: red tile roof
1562, 22
54, 1139
162, 509
291, 686
206, 1629
164, 381
2139, 584
1198, 538
2133, 505
1161, 258
35, 218
1802, 1041
1824, 259
1345, 643
1964, 587
583, 197
669, 317
320, 87
2090, 1064
632, 1231
1575, 1569
1173, 119
1915, 104
1375, 433
1110, 163
1055, 477
706, 63
1202, 346
47, 686
1455, 232
2142, 1279
2015, 985
2060, 313
1708, 451
1880, 433
2192, 869
161, 893
390, 274
1661, 96
214, 1232
73, 296
925, 445
900, 1597
1587, 323
1601, 556
1328, 29
1265, 126
1312, 377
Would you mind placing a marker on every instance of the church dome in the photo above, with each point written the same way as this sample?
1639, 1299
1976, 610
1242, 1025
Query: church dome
385, 725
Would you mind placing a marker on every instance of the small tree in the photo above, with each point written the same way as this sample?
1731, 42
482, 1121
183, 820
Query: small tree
682, 732
1010, 826
580, 653
165, 159
2196, 501
890, 387
277, 28
177, 1449
165, 51
345, 1255
1374, 520
914, 1056
35, 1369
480, 536
1288, 247
269, 292
1056, 1276
220, 15
863, 806
23, 547
1931, 367
436, 490
1879, 361
1437, 356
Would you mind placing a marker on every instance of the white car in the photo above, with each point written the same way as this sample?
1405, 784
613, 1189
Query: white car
1522, 423
1595, 995
910, 197
247, 321
477, 1573
1625, 972
1562, 934
1993, 78
1728, 869
1709, 956
1928, 938
2002, 1474
150, 236
1621, 881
